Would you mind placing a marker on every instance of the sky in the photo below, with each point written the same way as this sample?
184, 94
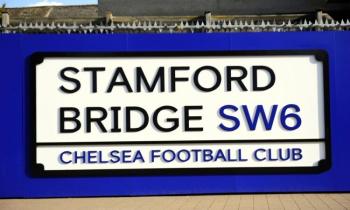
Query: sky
28, 3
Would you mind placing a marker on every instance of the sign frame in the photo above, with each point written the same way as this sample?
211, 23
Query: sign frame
37, 170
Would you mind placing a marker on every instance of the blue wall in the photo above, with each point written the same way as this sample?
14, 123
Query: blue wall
14, 52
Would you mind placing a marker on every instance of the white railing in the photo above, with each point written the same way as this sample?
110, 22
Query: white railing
177, 27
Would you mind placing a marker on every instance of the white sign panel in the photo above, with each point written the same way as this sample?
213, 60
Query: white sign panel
177, 112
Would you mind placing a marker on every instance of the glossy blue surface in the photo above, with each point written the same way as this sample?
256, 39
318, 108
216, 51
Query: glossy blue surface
14, 52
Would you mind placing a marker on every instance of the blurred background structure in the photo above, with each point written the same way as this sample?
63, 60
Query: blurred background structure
111, 16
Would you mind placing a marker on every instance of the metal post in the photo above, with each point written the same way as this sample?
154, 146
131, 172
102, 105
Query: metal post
109, 17
207, 18
5, 19
320, 17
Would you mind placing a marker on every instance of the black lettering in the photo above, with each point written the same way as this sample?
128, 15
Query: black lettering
141, 79
76, 82
115, 125
174, 121
128, 111
97, 120
187, 118
212, 69
255, 78
94, 71
238, 79
124, 82
73, 119
174, 79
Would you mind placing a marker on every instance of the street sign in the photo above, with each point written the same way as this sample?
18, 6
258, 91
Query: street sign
180, 112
